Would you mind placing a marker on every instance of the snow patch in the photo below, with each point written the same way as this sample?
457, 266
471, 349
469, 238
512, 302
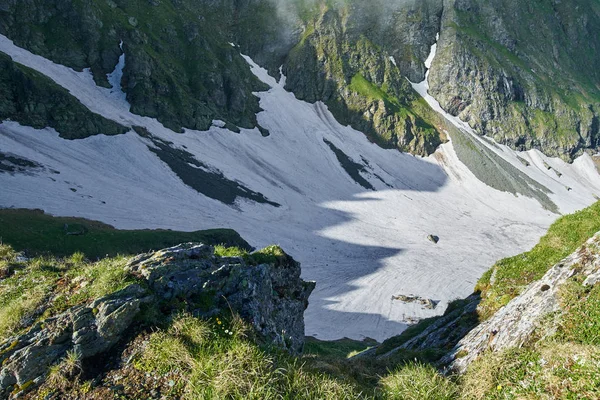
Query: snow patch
361, 246
115, 78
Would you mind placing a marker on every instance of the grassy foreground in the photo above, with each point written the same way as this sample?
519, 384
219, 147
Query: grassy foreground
219, 358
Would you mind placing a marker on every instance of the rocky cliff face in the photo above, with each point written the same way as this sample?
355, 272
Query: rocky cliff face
179, 66
522, 73
267, 293
352, 57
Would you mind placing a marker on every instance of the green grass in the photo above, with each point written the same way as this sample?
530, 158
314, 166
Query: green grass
342, 348
45, 286
418, 382
513, 274
38, 233
269, 255
549, 370
581, 321
211, 363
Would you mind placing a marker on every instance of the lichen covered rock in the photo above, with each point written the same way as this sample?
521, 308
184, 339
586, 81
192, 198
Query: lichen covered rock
269, 295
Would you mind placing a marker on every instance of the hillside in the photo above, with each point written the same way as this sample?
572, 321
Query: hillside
396, 148
483, 200
185, 345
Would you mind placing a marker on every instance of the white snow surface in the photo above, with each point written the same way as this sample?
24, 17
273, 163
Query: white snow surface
114, 78
361, 246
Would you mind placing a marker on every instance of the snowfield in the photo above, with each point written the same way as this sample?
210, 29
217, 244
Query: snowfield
361, 246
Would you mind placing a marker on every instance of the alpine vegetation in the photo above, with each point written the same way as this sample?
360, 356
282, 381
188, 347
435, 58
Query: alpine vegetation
384, 155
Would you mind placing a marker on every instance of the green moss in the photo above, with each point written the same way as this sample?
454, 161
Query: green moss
269, 255
223, 251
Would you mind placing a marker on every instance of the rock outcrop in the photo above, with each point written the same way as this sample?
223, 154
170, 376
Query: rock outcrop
268, 295
514, 324
522, 73
86, 330
33, 99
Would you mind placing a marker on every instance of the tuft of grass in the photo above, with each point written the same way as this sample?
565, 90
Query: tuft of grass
417, 381
580, 321
512, 274
234, 251
45, 286
550, 370
211, 364
94, 280
7, 253
13, 311
269, 255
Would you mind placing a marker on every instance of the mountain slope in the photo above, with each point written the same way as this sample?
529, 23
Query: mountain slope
363, 254
522, 73
180, 67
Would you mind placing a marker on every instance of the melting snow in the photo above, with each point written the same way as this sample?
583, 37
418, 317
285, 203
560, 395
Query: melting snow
361, 246
115, 77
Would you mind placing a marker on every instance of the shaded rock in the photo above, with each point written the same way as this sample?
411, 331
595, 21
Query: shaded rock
433, 238
271, 297
444, 333
87, 330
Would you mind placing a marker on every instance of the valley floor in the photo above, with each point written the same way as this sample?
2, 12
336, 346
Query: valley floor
361, 246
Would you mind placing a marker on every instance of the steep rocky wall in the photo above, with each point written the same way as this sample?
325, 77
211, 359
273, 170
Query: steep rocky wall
179, 66
523, 73
346, 58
